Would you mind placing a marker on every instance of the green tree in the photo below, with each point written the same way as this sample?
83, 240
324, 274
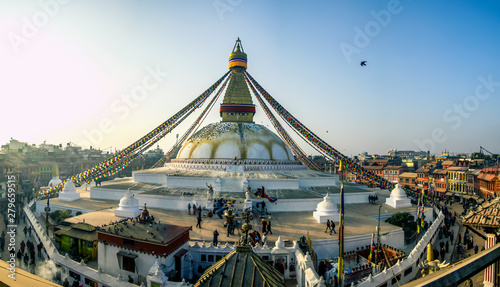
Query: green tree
404, 220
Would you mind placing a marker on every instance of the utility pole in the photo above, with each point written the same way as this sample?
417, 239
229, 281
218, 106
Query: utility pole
341, 224
378, 235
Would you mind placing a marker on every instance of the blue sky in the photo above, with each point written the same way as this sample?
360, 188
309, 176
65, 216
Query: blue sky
432, 79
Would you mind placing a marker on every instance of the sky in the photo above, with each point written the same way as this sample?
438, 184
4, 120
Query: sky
432, 81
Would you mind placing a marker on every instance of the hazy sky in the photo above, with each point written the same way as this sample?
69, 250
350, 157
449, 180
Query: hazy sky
432, 80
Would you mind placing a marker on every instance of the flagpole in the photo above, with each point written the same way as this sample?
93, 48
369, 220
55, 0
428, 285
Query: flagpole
341, 226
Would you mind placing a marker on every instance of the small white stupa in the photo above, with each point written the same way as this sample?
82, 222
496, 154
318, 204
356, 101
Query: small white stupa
327, 209
69, 192
128, 207
55, 177
398, 198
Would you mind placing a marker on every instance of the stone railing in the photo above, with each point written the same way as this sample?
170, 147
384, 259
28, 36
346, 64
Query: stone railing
78, 267
246, 165
407, 269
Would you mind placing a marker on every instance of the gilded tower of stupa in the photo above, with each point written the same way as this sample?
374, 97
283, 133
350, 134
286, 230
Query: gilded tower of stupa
236, 135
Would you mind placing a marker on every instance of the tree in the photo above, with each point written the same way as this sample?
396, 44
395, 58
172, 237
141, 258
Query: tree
404, 220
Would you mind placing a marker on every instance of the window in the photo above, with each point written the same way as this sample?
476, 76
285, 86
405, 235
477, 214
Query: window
128, 264
394, 281
211, 258
408, 271
203, 258
218, 257
75, 275
90, 282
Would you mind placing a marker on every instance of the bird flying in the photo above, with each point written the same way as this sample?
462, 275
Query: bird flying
363, 63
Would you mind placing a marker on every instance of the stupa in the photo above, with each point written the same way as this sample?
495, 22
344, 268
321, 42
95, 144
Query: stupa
231, 156
55, 177
398, 198
69, 192
128, 207
327, 209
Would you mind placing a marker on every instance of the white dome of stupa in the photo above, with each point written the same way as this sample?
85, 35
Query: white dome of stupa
69, 191
69, 186
398, 192
128, 200
398, 198
227, 140
128, 207
54, 181
326, 210
327, 205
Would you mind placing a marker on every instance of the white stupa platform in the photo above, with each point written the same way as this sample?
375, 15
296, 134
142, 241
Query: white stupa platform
326, 209
398, 198
69, 192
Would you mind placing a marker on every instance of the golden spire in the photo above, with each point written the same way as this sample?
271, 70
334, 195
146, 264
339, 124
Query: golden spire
237, 105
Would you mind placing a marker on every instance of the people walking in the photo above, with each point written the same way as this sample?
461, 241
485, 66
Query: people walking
264, 225
328, 226
189, 208
194, 209
332, 224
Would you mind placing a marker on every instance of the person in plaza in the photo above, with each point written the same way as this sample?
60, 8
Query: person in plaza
447, 246
216, 237
269, 227
25, 230
328, 226
189, 208
332, 224
199, 220
441, 243
229, 228
199, 210
442, 253
23, 245
194, 209
476, 249
264, 225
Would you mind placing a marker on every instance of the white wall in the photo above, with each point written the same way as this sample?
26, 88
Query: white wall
305, 182
149, 178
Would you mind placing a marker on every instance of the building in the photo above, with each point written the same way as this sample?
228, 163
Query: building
440, 181
392, 172
457, 179
129, 247
408, 180
489, 181
79, 240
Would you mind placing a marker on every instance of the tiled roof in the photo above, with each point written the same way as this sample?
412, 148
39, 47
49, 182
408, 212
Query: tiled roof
408, 174
241, 267
457, 168
439, 171
486, 215
487, 176
154, 232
